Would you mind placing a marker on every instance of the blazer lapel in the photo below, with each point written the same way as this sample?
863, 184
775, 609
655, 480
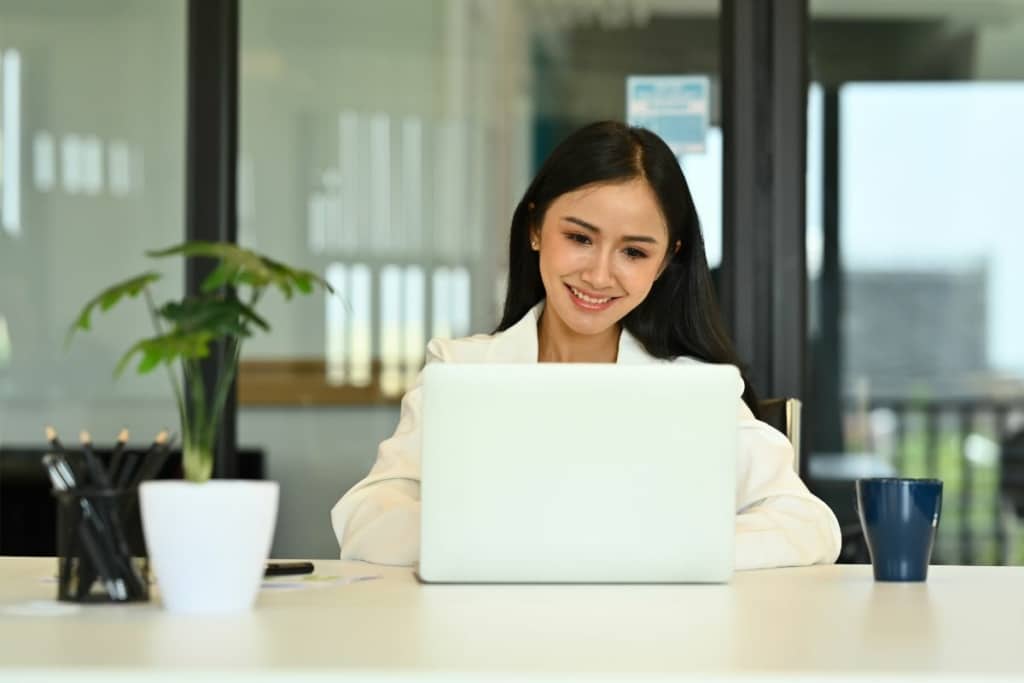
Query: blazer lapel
631, 352
518, 344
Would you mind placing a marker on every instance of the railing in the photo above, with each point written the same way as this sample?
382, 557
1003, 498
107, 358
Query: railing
962, 442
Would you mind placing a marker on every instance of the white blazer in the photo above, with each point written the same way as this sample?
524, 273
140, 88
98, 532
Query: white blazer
778, 521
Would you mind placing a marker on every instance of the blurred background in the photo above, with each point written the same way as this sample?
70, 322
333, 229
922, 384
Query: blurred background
385, 146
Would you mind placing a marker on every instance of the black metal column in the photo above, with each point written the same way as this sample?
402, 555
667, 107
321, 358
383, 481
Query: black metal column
826, 412
764, 116
212, 139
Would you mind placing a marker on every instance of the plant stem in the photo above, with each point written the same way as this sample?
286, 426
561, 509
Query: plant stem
224, 382
198, 442
175, 384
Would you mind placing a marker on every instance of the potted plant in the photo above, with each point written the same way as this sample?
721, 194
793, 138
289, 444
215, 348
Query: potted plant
207, 540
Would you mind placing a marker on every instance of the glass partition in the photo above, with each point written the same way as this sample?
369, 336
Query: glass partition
386, 144
917, 360
92, 175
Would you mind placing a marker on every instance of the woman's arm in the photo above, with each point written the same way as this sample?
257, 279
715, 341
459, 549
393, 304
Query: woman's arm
378, 520
779, 523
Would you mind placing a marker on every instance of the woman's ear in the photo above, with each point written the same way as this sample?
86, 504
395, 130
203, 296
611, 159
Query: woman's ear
535, 239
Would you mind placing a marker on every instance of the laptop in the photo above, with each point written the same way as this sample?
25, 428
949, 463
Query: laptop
578, 473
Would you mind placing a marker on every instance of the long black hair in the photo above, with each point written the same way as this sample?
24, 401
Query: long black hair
680, 316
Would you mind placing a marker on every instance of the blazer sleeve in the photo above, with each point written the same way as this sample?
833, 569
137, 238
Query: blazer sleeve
779, 522
378, 520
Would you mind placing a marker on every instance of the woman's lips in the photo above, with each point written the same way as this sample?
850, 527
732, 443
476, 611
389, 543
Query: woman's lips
588, 302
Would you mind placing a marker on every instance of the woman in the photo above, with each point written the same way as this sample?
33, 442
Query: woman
606, 264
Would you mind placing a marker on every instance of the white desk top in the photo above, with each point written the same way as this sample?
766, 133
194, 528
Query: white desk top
965, 623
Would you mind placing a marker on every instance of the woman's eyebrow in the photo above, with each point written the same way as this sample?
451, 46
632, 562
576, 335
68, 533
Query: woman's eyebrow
593, 228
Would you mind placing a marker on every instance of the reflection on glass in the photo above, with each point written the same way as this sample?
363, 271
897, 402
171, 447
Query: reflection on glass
92, 165
5, 343
413, 322
119, 164
380, 181
44, 163
85, 88
361, 335
391, 375
451, 302
815, 171
71, 164
412, 183
441, 304
460, 301
349, 343
10, 188
338, 324
350, 196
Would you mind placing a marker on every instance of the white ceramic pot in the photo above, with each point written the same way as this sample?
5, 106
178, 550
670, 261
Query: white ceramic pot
208, 542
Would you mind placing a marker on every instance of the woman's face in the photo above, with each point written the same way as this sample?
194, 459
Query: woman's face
601, 248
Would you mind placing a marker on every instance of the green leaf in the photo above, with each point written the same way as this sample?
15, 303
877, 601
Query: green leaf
224, 274
109, 297
216, 313
220, 315
166, 348
239, 266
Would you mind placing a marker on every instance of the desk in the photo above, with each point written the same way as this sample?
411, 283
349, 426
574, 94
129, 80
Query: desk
780, 625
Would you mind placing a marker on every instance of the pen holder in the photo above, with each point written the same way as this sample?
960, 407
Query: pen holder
96, 532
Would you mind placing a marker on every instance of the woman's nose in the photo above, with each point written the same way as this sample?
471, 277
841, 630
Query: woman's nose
598, 273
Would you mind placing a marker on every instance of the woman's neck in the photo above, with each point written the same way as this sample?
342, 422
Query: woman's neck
556, 343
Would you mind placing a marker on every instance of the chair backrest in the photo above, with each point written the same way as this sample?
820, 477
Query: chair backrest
784, 415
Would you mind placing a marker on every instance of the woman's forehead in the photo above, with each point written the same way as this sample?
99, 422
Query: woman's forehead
617, 207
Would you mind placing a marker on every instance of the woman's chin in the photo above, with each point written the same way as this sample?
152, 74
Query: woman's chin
587, 323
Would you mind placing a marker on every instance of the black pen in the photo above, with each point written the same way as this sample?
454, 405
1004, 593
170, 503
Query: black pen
64, 454
155, 458
96, 472
117, 456
63, 479
107, 517
129, 475
51, 438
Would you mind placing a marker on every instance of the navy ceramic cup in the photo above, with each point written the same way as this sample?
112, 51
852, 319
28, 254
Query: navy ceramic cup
899, 518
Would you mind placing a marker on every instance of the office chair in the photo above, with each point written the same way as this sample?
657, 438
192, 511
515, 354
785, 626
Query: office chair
784, 415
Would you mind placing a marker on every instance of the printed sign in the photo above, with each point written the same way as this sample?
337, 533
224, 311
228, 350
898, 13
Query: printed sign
675, 107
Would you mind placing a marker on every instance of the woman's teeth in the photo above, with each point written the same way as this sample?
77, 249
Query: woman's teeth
589, 299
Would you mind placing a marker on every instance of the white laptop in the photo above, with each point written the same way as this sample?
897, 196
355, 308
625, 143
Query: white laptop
559, 472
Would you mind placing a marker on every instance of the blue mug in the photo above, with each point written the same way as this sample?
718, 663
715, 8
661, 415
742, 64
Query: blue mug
899, 518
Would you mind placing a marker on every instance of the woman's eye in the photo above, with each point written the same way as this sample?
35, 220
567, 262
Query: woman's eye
577, 237
632, 253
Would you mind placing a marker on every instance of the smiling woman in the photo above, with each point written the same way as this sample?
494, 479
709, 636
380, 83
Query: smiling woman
606, 264
594, 276
608, 234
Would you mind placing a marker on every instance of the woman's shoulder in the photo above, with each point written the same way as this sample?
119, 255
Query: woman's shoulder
687, 360
461, 350
740, 385
515, 344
